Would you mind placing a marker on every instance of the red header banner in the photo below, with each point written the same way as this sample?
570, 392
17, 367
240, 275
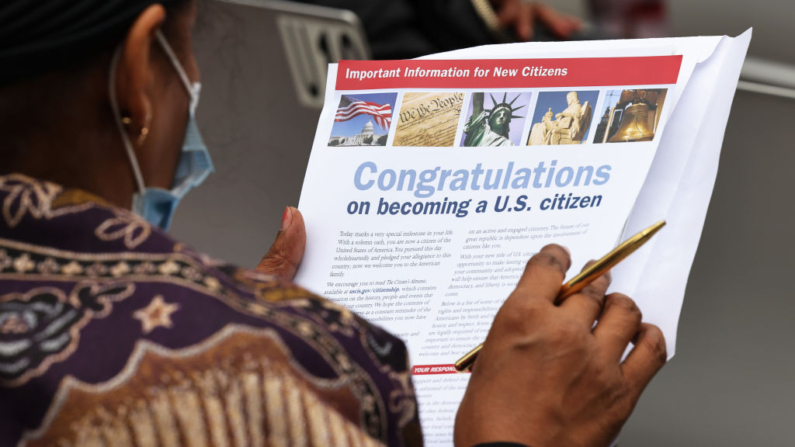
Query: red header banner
419, 370
508, 73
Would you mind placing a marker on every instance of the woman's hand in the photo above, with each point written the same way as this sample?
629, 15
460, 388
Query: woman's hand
547, 376
288, 249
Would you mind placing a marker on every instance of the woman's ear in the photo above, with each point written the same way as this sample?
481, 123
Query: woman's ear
134, 73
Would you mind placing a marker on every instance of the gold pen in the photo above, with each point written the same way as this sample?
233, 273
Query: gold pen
584, 278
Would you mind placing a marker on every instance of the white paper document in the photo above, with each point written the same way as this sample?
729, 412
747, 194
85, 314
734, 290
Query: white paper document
431, 183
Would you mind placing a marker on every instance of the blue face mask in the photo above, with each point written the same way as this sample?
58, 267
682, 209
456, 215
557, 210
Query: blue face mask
157, 205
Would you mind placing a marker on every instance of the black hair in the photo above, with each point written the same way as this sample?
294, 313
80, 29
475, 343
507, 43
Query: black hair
39, 36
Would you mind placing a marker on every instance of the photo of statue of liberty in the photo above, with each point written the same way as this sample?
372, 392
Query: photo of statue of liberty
498, 125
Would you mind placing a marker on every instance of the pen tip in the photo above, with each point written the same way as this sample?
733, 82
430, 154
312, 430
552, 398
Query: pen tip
654, 228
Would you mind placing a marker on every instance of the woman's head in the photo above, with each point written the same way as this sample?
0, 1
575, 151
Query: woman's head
55, 105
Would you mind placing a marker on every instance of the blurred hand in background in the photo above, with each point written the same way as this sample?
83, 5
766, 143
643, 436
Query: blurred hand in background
521, 17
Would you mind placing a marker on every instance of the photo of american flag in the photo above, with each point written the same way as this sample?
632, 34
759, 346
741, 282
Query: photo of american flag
363, 120
351, 107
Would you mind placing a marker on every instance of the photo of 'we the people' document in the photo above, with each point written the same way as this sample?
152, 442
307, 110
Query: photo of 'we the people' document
423, 222
428, 119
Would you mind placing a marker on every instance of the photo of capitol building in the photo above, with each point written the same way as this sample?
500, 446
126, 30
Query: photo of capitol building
367, 137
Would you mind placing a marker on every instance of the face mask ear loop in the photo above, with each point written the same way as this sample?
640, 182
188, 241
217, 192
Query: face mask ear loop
175, 62
114, 105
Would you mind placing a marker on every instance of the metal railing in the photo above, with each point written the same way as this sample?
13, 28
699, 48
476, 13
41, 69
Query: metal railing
767, 77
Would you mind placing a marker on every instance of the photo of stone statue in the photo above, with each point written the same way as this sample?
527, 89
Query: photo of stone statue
630, 115
498, 125
562, 118
540, 132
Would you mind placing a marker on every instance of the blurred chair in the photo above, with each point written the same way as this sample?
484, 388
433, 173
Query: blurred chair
313, 37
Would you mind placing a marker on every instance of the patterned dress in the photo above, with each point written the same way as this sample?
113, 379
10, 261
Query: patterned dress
114, 334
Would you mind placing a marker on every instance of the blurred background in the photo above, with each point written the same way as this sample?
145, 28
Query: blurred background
732, 382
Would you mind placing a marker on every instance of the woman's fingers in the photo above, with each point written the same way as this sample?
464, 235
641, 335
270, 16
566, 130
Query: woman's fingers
543, 275
618, 325
287, 250
586, 305
646, 358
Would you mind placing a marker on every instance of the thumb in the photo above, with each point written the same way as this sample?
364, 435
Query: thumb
288, 249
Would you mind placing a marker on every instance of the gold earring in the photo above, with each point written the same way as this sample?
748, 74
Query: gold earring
145, 130
127, 121
142, 136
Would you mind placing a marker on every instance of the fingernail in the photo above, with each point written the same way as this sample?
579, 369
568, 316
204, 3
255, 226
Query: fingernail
287, 218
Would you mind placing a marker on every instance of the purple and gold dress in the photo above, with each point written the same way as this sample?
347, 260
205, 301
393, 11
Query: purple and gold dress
114, 334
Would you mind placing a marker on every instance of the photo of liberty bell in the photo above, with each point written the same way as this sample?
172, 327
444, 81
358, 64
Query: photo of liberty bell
638, 117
